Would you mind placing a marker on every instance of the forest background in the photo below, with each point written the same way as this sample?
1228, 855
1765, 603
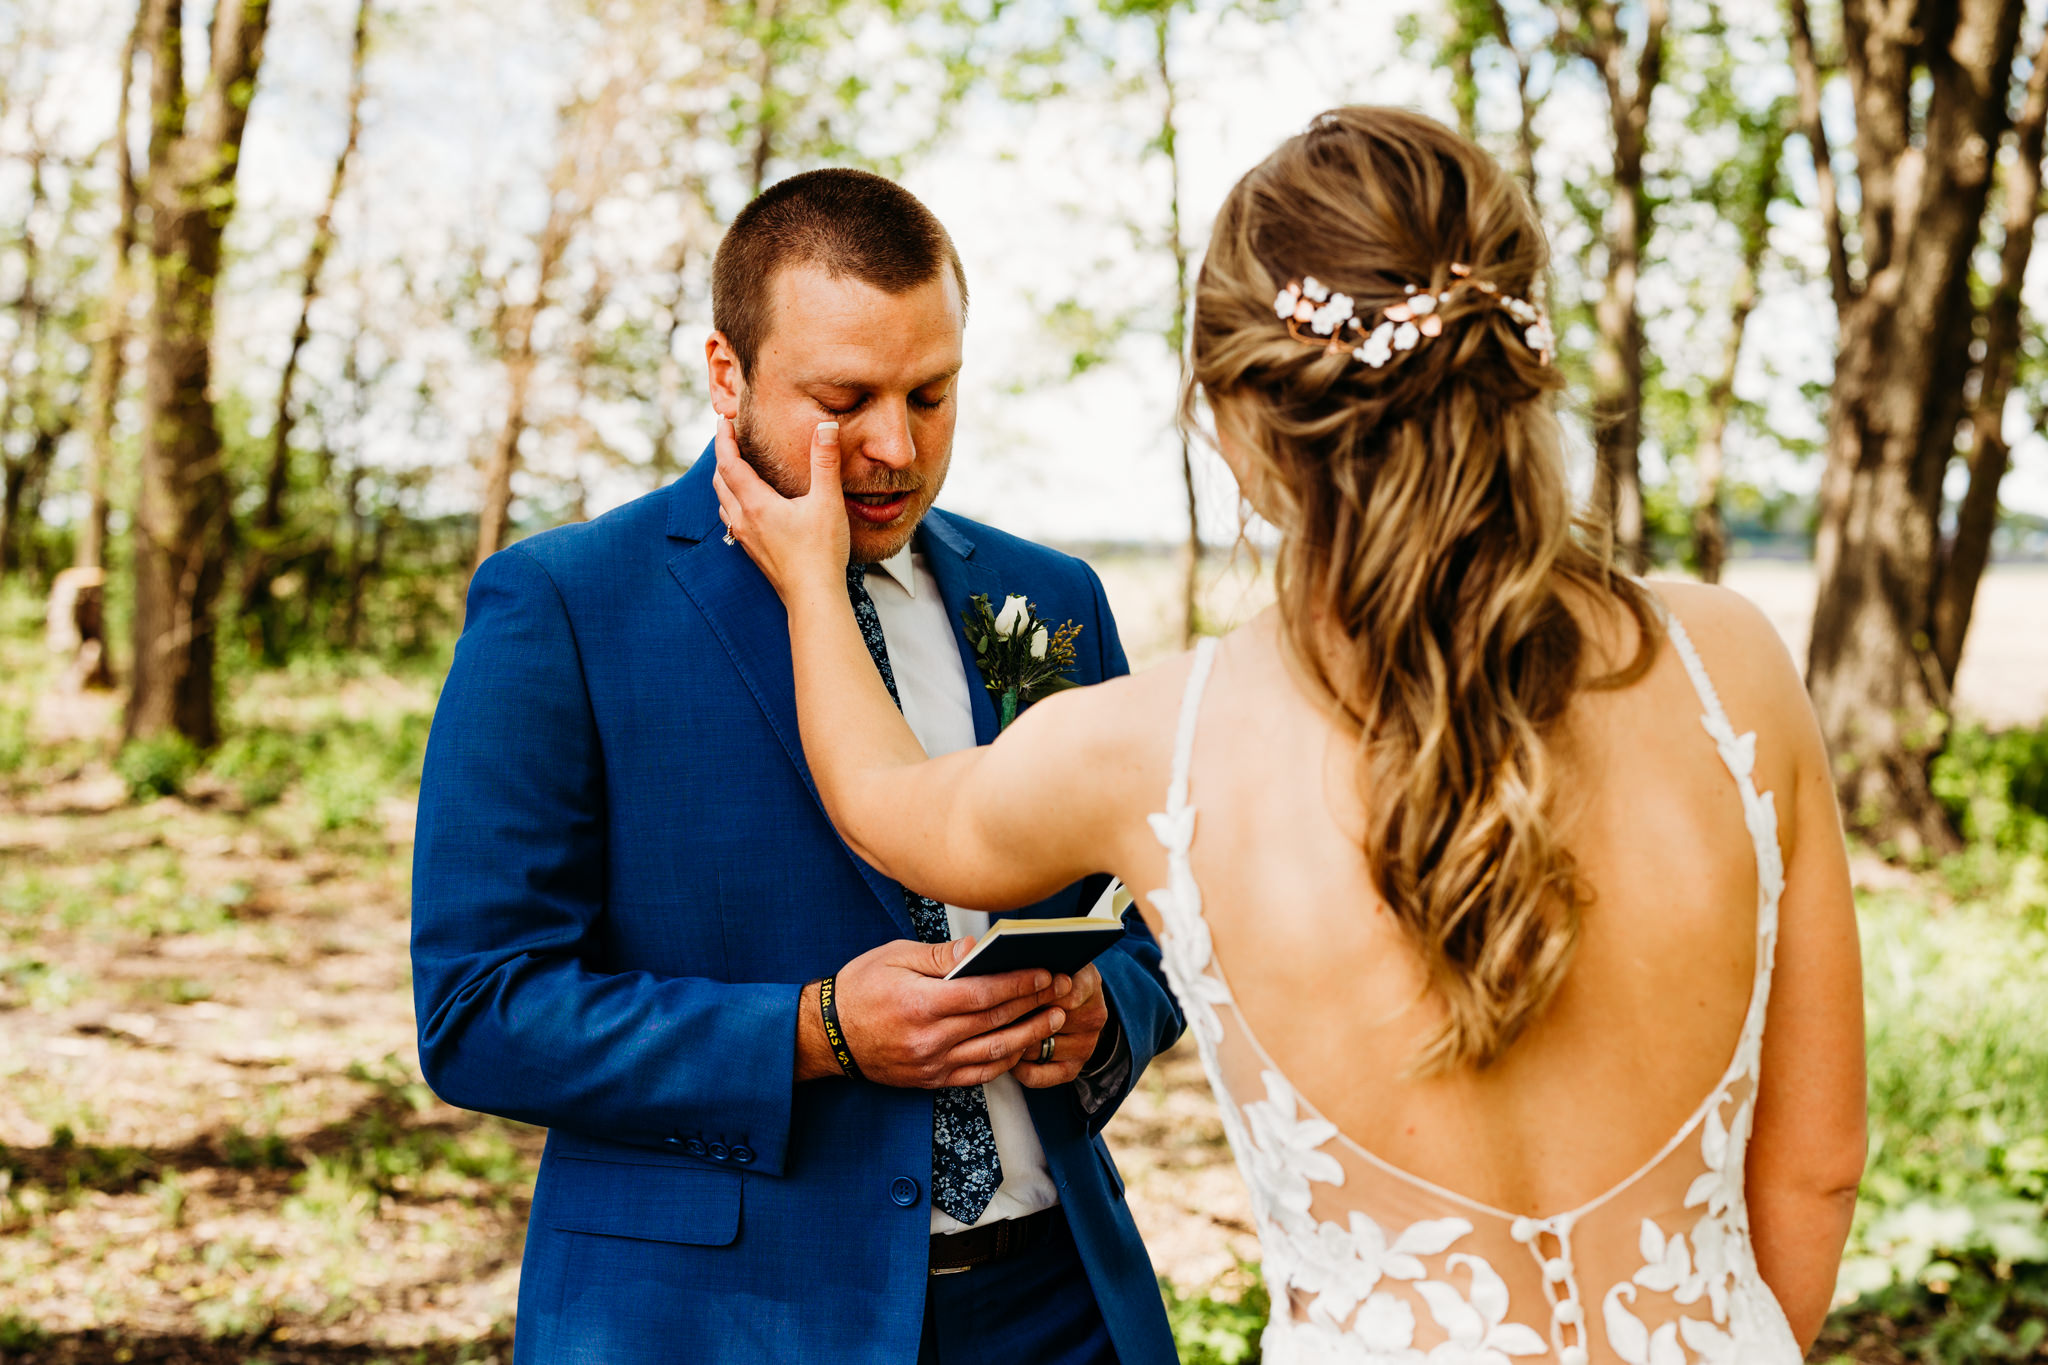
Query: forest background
306, 306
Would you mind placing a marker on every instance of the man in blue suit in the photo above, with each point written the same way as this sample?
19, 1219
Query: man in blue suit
777, 1133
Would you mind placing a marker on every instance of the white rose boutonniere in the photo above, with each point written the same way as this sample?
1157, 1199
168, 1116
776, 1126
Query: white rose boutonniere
1011, 618
1020, 658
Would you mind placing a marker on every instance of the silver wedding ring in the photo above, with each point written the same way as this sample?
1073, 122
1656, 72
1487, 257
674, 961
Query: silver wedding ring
1045, 1051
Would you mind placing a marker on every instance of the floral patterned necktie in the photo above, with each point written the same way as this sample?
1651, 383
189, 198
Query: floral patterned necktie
965, 1167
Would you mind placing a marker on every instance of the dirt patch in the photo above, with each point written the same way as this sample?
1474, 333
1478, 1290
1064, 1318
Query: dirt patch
214, 1143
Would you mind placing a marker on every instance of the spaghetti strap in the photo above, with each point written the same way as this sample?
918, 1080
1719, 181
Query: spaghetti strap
1710, 700
1759, 808
1184, 734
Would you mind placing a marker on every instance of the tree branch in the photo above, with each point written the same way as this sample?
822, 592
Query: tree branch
1807, 71
1977, 518
1650, 61
1525, 128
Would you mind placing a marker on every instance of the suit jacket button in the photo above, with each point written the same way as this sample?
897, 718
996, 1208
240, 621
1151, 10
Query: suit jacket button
717, 1151
742, 1153
903, 1191
693, 1147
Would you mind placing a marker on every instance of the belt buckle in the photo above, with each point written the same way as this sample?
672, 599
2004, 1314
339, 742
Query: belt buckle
950, 1270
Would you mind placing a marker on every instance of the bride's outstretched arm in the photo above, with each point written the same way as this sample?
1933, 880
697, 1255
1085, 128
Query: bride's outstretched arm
995, 827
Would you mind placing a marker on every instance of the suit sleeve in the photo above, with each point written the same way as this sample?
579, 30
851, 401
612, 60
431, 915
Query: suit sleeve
508, 904
1140, 1005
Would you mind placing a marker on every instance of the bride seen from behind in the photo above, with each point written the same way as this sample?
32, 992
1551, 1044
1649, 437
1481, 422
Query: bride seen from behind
1506, 895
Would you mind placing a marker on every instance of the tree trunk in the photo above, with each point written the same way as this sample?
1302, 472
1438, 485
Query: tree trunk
1618, 358
358, 532
571, 195
1618, 391
13, 484
181, 513
264, 560
1525, 105
1465, 92
1897, 400
1977, 518
110, 342
668, 383
1176, 328
1806, 72
108, 365
765, 115
23, 399
494, 513
24, 493
1709, 526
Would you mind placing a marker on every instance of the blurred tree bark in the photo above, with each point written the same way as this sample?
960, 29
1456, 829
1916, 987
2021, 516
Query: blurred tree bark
42, 379
265, 559
1977, 518
110, 339
22, 402
768, 108
1758, 191
572, 195
1592, 30
1155, 19
182, 514
1168, 144
1473, 25
1929, 83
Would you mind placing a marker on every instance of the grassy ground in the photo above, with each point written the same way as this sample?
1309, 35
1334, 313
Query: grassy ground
214, 1146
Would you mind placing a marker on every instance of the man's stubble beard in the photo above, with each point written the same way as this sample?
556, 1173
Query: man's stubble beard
792, 481
777, 477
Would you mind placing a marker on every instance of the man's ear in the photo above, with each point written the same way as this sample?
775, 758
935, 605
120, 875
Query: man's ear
722, 370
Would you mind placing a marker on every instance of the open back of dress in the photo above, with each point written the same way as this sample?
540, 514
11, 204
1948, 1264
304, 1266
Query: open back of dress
1367, 1263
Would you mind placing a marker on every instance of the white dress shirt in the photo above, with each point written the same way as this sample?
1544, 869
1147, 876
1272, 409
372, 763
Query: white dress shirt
932, 680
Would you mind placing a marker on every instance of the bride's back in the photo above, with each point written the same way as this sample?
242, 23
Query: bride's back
1332, 985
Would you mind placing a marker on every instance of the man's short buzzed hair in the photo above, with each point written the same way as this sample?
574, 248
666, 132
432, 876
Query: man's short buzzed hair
849, 222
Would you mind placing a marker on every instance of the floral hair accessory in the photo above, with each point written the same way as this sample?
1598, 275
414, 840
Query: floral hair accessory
1402, 326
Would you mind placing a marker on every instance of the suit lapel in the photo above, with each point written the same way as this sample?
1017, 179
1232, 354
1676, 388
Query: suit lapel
949, 554
744, 613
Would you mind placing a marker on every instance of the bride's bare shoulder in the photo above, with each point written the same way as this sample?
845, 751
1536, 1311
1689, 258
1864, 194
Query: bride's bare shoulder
1129, 722
1735, 640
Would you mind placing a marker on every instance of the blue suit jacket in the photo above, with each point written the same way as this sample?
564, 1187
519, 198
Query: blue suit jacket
622, 879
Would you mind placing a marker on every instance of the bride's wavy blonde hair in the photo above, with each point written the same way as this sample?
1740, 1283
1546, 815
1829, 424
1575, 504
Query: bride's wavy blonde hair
1428, 538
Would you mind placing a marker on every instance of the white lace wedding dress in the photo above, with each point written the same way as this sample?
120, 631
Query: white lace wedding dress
1368, 1265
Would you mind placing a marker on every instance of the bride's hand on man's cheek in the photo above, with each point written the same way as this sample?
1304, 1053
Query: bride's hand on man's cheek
792, 540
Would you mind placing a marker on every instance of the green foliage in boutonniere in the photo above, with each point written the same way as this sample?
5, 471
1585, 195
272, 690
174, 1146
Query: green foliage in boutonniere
1020, 658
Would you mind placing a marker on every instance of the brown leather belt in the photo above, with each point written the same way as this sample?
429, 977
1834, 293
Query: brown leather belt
953, 1252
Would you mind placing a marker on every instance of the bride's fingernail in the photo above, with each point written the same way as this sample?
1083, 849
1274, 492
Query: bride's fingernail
830, 429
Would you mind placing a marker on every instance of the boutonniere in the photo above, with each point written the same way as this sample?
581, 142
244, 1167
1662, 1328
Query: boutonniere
1020, 658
